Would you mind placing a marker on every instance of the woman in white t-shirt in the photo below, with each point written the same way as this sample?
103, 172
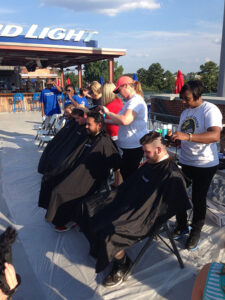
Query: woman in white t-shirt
132, 121
199, 130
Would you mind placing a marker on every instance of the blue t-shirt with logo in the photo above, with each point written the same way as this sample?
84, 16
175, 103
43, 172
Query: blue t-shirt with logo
49, 98
82, 100
68, 101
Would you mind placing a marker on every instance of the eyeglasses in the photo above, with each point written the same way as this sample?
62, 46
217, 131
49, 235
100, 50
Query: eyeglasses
68, 90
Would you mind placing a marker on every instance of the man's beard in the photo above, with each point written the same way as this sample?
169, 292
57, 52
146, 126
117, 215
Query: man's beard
153, 159
91, 133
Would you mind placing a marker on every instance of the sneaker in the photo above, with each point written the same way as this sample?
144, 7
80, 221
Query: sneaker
116, 276
193, 241
179, 232
65, 227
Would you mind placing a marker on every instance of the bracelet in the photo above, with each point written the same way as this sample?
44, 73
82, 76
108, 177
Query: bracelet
190, 137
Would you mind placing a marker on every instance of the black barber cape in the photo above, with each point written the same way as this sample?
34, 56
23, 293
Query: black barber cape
81, 174
148, 198
57, 150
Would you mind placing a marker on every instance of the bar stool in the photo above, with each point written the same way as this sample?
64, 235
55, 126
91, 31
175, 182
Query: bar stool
35, 101
18, 99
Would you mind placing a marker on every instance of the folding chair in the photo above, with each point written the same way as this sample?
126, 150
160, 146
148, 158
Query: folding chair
48, 127
173, 249
44, 139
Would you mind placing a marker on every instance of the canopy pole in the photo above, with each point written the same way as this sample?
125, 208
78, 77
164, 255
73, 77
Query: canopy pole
221, 80
79, 76
111, 69
62, 78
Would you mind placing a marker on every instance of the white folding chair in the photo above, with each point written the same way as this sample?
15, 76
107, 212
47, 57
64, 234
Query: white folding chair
45, 138
48, 127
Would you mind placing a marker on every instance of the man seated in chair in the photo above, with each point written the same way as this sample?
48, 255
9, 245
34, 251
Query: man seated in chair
81, 174
136, 210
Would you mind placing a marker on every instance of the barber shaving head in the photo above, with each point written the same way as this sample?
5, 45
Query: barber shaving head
154, 147
79, 115
94, 123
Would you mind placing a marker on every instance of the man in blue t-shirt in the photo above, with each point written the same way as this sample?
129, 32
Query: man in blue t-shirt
49, 100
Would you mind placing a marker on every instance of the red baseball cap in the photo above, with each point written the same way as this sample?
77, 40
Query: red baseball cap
121, 81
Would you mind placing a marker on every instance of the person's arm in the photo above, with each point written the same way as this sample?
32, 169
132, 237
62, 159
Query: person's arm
212, 135
59, 89
73, 101
10, 276
125, 119
200, 282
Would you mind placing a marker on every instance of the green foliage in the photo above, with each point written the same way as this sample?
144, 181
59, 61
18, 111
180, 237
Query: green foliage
142, 75
209, 76
93, 71
155, 76
169, 82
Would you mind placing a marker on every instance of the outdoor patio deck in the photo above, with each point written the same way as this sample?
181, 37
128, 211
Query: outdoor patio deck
57, 265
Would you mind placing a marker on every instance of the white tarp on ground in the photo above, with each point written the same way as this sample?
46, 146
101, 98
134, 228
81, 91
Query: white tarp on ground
59, 263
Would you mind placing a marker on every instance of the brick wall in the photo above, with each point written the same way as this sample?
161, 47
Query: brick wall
175, 107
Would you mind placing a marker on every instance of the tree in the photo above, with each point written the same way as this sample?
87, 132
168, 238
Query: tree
94, 70
142, 75
155, 77
209, 76
169, 82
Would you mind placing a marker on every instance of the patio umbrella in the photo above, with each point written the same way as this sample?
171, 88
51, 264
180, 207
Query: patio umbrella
67, 81
179, 82
134, 77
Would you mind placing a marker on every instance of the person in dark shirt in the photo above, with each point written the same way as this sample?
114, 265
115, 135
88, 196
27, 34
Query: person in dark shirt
137, 209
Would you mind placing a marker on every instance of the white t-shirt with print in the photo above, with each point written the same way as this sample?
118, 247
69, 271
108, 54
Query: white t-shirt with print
129, 135
198, 120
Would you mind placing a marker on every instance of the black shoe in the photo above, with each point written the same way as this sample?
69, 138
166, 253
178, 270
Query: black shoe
179, 232
193, 241
116, 276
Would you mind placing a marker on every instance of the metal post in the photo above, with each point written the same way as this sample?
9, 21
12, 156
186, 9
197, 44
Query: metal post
221, 80
111, 69
62, 78
79, 76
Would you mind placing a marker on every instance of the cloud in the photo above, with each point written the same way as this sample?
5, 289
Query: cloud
6, 11
106, 7
207, 59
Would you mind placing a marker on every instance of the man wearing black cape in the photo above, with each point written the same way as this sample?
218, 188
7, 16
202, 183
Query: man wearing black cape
137, 209
65, 141
80, 175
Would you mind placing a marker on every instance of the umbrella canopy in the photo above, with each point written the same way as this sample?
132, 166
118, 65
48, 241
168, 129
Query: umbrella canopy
134, 77
179, 82
68, 81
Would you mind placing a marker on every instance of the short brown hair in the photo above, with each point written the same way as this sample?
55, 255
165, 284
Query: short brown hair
150, 137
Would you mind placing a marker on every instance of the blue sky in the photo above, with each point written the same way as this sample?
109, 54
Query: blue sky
179, 34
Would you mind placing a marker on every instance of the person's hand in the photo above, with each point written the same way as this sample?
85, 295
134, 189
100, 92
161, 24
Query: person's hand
105, 110
180, 136
10, 276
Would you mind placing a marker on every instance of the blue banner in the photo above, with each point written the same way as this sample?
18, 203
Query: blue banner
47, 41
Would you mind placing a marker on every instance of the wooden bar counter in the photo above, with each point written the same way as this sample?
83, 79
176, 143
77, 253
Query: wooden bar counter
6, 102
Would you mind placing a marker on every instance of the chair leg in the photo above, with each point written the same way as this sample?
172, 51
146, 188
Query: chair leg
137, 259
175, 250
